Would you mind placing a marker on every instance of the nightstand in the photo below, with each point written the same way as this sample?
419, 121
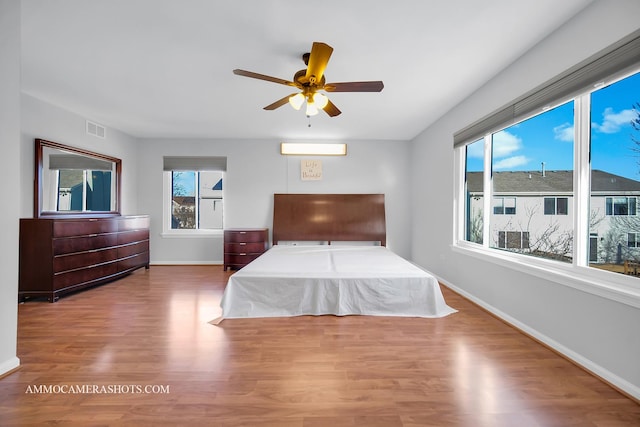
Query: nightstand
243, 245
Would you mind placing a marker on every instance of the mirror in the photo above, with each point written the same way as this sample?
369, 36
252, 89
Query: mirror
73, 181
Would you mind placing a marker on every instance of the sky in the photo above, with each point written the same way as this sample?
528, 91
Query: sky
184, 183
549, 136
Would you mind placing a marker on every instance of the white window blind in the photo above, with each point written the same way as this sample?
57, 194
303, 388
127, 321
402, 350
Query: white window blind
192, 163
611, 62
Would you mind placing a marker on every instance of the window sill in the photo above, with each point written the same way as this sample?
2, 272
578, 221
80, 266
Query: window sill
613, 286
191, 234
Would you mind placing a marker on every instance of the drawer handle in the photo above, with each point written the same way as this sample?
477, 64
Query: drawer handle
93, 235
242, 244
243, 232
243, 254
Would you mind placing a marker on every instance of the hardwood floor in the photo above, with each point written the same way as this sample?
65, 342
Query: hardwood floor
150, 332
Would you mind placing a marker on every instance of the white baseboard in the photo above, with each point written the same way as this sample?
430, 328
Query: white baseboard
606, 375
185, 263
9, 365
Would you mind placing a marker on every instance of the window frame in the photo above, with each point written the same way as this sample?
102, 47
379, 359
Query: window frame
577, 274
167, 230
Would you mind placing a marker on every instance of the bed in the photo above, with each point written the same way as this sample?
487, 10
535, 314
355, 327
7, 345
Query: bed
329, 257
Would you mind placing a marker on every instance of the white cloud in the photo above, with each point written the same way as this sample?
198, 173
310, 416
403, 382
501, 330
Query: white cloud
505, 143
511, 162
564, 132
612, 121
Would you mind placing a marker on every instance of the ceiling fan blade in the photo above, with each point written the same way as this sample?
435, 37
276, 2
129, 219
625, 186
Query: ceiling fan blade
373, 86
263, 77
318, 59
331, 109
279, 103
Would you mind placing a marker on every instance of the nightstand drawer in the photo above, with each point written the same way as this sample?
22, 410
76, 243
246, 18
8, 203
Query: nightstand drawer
241, 259
251, 247
245, 236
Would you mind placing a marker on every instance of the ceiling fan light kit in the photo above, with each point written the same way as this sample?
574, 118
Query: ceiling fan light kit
311, 80
296, 101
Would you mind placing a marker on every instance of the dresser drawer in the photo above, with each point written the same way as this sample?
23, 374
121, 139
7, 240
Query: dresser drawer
80, 228
84, 275
245, 236
83, 259
133, 249
89, 242
133, 223
133, 261
132, 236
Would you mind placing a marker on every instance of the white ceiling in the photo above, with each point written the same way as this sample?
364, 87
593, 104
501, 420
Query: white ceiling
163, 68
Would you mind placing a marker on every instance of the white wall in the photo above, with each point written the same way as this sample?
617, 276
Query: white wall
50, 122
10, 212
256, 170
601, 334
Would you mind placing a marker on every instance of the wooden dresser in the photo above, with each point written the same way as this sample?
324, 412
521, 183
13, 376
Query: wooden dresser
243, 245
61, 255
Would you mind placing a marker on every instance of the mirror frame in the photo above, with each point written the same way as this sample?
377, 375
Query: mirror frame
37, 193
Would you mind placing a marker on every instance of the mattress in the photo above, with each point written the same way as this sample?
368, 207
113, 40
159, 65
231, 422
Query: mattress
301, 280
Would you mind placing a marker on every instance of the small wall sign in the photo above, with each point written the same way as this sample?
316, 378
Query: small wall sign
311, 170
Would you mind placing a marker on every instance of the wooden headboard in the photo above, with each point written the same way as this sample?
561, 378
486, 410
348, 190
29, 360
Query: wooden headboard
329, 217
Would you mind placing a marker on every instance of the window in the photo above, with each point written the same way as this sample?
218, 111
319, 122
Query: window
513, 240
504, 205
556, 205
196, 200
474, 202
83, 190
194, 197
615, 171
567, 154
620, 206
528, 158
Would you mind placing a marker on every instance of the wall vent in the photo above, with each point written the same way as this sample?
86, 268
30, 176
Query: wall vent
96, 130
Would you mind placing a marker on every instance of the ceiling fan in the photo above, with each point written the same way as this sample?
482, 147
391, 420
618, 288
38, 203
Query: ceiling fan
312, 80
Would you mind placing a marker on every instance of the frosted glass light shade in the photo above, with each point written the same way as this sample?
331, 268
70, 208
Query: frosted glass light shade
312, 110
320, 100
296, 100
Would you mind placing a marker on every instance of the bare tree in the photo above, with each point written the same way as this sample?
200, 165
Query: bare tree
616, 243
476, 225
551, 241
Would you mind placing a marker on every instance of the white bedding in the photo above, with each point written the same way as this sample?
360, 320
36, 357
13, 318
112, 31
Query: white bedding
339, 280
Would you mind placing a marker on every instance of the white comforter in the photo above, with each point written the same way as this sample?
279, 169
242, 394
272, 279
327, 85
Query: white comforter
340, 280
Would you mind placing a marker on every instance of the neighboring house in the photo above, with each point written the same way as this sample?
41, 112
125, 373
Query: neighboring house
532, 212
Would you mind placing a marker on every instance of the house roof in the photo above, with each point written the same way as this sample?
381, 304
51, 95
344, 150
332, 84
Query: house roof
517, 182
